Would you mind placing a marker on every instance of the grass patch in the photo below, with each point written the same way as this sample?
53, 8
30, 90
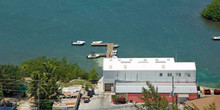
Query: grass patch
78, 82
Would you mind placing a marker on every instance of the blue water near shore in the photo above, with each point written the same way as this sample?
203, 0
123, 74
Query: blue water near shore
143, 28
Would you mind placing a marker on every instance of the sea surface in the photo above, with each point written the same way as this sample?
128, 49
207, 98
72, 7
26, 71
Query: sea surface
142, 28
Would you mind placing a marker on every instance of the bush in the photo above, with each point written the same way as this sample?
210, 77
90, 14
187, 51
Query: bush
115, 98
121, 100
23, 94
87, 88
47, 104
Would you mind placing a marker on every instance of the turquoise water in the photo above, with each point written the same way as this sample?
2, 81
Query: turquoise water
143, 28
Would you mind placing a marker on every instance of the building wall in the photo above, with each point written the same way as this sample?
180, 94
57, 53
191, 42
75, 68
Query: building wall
153, 76
135, 97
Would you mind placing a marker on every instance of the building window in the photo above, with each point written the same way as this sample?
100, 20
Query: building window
188, 74
169, 74
178, 74
161, 74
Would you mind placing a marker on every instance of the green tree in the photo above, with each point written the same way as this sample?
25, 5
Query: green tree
93, 74
212, 11
64, 71
10, 79
0, 94
44, 84
152, 99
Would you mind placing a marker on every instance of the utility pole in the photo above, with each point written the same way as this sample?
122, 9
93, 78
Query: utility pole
38, 94
172, 89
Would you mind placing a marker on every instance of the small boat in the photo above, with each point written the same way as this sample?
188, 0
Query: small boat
78, 42
216, 38
92, 55
114, 51
115, 45
96, 42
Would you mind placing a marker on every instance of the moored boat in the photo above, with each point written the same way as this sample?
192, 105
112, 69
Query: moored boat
113, 54
216, 38
96, 42
114, 51
115, 45
93, 55
78, 42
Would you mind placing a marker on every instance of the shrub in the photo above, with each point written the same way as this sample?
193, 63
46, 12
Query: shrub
115, 98
87, 88
47, 104
121, 100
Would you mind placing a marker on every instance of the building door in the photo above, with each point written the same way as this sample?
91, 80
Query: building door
108, 86
183, 97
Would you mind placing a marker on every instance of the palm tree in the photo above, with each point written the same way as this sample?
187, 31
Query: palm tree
44, 84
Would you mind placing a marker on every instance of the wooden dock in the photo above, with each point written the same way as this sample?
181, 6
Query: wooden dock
109, 46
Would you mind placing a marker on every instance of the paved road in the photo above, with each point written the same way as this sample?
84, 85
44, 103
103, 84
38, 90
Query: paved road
102, 102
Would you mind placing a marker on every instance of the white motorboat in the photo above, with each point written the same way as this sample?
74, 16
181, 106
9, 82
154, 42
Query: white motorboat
96, 42
114, 51
78, 42
216, 38
92, 55
115, 45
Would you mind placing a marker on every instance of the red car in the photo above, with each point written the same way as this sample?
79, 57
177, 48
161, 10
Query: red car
207, 91
217, 91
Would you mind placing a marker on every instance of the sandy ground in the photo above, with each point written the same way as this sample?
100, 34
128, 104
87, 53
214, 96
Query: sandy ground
25, 104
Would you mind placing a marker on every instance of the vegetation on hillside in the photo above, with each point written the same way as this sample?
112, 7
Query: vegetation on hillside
46, 75
212, 11
78, 82
64, 71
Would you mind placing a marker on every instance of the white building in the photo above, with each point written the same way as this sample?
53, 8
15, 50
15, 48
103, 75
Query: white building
146, 69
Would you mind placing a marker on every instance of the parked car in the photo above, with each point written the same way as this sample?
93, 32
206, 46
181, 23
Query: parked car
86, 101
207, 91
217, 91
90, 94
